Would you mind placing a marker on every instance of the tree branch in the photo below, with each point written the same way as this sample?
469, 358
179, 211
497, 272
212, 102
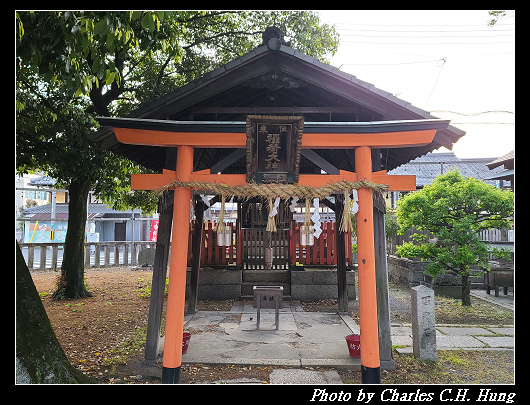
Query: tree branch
161, 72
101, 101
44, 100
199, 16
227, 33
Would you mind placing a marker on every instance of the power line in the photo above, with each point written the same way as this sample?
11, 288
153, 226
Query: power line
427, 31
436, 82
477, 113
426, 36
428, 56
389, 64
420, 25
428, 43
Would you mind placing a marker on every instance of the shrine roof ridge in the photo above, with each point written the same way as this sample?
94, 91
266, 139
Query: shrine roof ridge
240, 126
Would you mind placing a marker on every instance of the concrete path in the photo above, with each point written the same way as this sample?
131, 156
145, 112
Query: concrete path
309, 338
456, 337
302, 376
506, 301
303, 339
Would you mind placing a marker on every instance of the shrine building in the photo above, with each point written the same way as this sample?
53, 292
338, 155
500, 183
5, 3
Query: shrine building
280, 134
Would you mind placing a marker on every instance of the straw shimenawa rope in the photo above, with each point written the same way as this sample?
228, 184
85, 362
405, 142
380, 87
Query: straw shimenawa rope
345, 223
284, 191
221, 226
273, 190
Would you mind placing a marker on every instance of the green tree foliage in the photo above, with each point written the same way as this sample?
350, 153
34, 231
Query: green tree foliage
74, 65
498, 15
455, 209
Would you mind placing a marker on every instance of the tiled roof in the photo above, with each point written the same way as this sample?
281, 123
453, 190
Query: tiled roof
502, 160
61, 211
427, 167
42, 181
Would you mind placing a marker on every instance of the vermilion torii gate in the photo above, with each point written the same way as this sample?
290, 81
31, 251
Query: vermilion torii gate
186, 136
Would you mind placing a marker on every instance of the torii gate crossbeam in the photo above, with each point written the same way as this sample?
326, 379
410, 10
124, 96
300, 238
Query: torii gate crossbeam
185, 142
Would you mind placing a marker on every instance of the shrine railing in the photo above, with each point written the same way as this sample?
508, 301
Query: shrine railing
323, 250
254, 242
212, 253
46, 256
246, 247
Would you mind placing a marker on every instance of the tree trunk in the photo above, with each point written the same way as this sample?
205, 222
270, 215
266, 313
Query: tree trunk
466, 299
40, 358
72, 281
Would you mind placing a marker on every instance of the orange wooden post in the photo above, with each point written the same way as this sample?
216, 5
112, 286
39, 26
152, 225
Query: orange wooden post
362, 142
177, 270
370, 365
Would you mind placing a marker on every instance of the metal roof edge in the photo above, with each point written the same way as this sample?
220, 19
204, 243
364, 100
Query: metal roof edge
240, 126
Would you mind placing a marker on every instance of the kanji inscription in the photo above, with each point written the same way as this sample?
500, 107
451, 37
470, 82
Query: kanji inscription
273, 148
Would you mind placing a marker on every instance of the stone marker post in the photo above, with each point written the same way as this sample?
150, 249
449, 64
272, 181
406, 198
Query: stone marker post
423, 325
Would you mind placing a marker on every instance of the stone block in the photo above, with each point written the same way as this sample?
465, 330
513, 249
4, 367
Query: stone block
314, 285
146, 257
405, 271
423, 323
218, 284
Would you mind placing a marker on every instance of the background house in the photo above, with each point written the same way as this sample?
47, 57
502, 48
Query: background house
41, 209
104, 224
427, 167
508, 173
33, 190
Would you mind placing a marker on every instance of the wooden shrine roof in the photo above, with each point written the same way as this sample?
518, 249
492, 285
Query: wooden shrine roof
275, 79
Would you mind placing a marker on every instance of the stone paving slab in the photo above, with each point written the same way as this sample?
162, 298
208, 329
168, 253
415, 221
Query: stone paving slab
243, 380
303, 339
349, 363
267, 321
309, 339
247, 307
218, 360
465, 331
455, 342
301, 376
502, 331
402, 340
401, 330
351, 324
497, 341
506, 301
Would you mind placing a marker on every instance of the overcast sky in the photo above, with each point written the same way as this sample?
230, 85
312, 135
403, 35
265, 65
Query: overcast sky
450, 63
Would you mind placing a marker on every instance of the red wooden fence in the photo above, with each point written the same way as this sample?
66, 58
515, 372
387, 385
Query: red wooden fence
247, 246
214, 255
254, 241
323, 251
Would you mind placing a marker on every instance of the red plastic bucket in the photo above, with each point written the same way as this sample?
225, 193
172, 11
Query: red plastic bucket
354, 345
185, 342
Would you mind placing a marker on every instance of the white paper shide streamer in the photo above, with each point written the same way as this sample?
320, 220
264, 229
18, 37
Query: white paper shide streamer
316, 218
355, 205
294, 202
207, 212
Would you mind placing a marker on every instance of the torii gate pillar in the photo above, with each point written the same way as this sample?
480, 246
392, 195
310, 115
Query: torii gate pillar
177, 275
400, 135
370, 362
